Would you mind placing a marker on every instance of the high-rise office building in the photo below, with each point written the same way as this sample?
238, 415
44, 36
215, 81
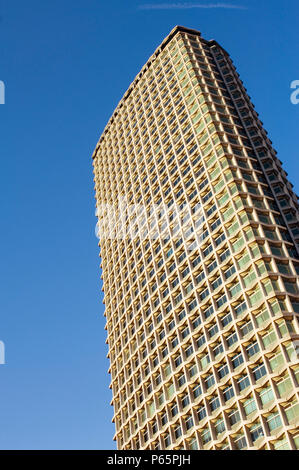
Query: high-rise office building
198, 226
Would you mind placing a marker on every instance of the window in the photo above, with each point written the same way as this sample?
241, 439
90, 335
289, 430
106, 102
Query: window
185, 401
213, 330
155, 361
276, 361
223, 371
161, 399
216, 283
256, 431
185, 332
164, 419
200, 341
228, 393
235, 289
205, 360
192, 305
219, 426
167, 440
237, 360
154, 428
164, 352
193, 444
214, 403
226, 320
245, 329
229, 272
189, 423
189, 351
249, 406
252, 349
181, 380
193, 370
239, 309
259, 372
240, 442
174, 410
285, 385
234, 417
178, 361
292, 411
282, 445
274, 421
232, 339
178, 432
209, 311
266, 395
221, 301
197, 391
243, 383
201, 413
206, 436
167, 370
218, 350
181, 315
209, 381
196, 323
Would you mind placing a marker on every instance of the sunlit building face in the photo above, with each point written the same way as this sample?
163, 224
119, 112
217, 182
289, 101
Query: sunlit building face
198, 226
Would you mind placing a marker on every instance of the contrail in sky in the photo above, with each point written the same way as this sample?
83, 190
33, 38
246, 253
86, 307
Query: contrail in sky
186, 6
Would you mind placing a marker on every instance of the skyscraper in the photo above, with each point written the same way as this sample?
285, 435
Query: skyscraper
198, 226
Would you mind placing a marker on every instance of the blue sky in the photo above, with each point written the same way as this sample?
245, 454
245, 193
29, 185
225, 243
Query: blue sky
66, 64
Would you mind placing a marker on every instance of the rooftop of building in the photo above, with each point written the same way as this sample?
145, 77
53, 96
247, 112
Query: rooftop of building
177, 29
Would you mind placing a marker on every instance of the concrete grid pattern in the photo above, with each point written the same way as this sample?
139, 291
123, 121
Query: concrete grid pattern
202, 322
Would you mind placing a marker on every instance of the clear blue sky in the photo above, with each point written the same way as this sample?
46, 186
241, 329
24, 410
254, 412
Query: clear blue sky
66, 64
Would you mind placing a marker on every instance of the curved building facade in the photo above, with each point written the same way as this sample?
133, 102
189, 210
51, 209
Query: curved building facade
198, 228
